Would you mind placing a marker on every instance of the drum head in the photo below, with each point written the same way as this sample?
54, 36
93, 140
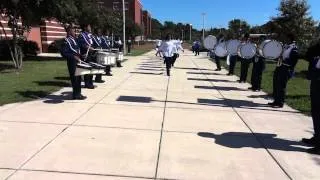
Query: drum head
247, 50
270, 49
210, 42
221, 50
232, 46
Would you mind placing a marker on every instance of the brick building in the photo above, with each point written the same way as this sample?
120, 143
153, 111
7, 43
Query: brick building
147, 22
134, 11
50, 30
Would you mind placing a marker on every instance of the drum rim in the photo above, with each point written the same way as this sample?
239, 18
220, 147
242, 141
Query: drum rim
263, 44
225, 45
233, 54
242, 45
216, 40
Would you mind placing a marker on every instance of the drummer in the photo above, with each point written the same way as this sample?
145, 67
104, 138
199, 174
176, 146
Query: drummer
71, 52
245, 63
168, 48
217, 58
97, 41
313, 56
85, 42
259, 65
284, 72
105, 45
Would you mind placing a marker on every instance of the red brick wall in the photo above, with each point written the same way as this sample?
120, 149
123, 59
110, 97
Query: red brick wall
35, 35
51, 30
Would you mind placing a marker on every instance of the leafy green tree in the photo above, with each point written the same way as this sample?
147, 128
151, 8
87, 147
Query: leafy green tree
15, 11
294, 20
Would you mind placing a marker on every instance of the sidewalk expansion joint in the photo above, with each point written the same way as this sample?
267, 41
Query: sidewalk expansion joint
250, 129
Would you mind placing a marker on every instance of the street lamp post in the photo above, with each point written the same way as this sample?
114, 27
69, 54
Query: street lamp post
124, 26
203, 15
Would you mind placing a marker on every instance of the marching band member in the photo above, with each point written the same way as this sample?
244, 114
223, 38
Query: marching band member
176, 54
104, 44
197, 46
233, 61
71, 52
217, 58
158, 44
97, 41
259, 65
284, 72
85, 43
313, 55
245, 63
119, 45
168, 48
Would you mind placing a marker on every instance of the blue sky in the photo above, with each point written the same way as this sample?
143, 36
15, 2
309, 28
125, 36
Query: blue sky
219, 12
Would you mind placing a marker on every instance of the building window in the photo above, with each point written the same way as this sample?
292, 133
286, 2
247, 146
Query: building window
117, 6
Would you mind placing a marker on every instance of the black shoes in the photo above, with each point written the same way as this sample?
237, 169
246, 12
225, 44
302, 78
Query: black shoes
255, 90
109, 74
99, 81
312, 141
229, 74
81, 97
275, 105
240, 81
89, 87
315, 150
217, 69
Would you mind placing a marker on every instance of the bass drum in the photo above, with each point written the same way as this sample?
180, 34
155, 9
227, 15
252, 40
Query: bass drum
232, 47
270, 49
221, 50
210, 42
247, 50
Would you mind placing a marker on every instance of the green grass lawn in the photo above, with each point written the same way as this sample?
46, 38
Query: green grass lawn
141, 49
37, 79
297, 89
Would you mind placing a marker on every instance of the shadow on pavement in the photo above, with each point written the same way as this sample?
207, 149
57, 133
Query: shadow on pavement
148, 69
220, 88
146, 73
245, 140
137, 99
210, 80
205, 73
194, 69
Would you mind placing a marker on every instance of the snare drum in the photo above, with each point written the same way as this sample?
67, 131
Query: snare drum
97, 68
102, 58
232, 47
270, 49
210, 42
247, 50
83, 69
221, 50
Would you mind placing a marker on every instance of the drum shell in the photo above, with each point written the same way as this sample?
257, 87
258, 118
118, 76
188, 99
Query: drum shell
276, 53
210, 42
249, 55
232, 47
82, 70
221, 50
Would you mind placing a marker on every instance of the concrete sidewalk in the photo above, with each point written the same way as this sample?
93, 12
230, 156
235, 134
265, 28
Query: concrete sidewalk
197, 124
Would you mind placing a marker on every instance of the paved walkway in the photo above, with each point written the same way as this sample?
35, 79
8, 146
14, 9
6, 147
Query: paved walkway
197, 124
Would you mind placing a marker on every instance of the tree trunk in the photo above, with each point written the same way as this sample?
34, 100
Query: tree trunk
15, 50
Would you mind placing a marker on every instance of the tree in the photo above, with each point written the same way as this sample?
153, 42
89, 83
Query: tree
294, 20
237, 27
156, 28
15, 11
